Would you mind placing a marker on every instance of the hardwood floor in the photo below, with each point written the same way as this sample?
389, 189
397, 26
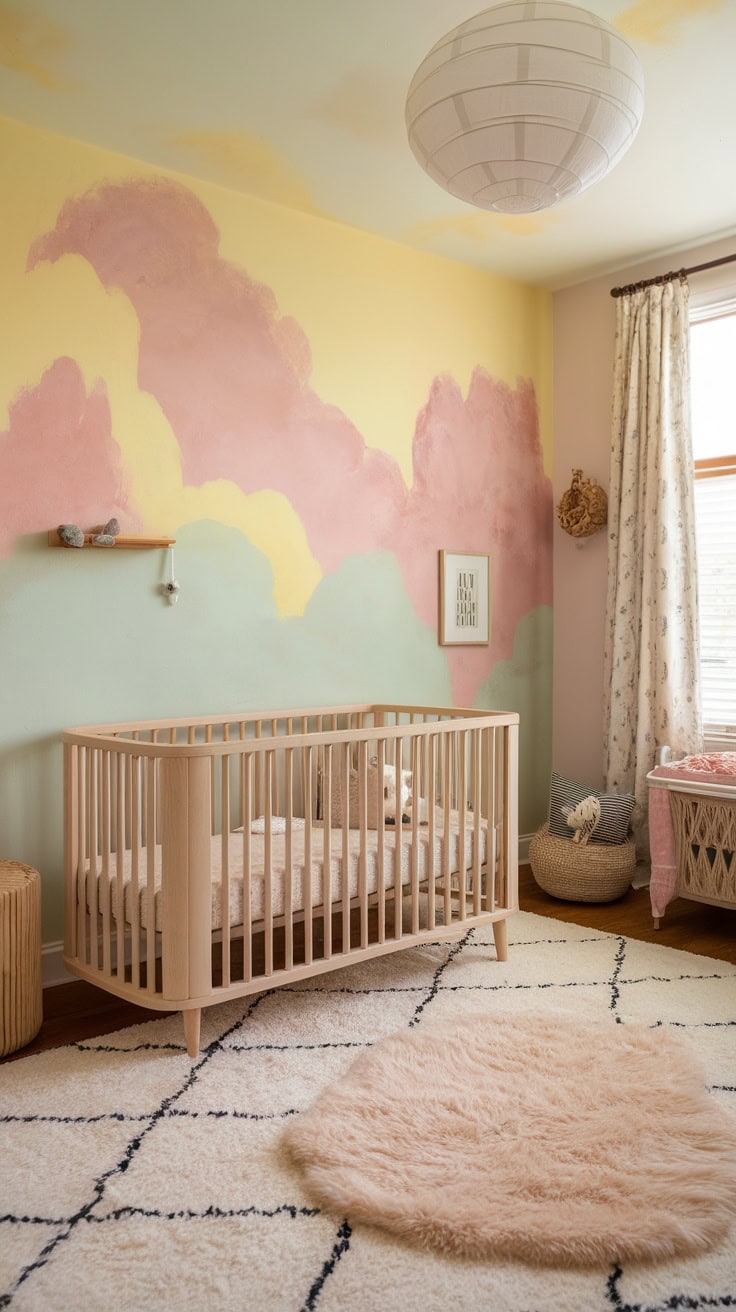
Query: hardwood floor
77, 1011
691, 926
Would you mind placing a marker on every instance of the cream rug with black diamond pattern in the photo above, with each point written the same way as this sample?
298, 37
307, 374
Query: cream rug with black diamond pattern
134, 1178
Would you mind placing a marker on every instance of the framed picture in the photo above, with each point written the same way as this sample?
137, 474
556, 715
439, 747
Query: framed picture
465, 599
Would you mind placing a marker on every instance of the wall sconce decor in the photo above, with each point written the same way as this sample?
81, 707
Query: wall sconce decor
583, 509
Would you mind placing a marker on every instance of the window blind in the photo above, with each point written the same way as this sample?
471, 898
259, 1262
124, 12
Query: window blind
715, 516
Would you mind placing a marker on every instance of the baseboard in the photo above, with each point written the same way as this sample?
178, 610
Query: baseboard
53, 970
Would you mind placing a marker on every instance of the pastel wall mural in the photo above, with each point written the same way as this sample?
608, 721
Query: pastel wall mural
186, 389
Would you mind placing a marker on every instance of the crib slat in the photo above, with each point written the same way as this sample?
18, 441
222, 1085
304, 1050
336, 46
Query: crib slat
225, 867
308, 761
345, 872
327, 855
447, 836
71, 845
416, 784
129, 835
363, 858
431, 789
128, 805
82, 755
277, 802
398, 844
213, 811
120, 765
267, 860
94, 847
510, 739
135, 926
461, 740
476, 736
150, 874
247, 811
441, 767
381, 840
258, 770
241, 769
105, 876
288, 867
491, 808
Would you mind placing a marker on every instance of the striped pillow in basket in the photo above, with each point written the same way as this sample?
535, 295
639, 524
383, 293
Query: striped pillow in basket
616, 808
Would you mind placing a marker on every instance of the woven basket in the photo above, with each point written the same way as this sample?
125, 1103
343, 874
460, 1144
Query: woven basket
20, 955
591, 873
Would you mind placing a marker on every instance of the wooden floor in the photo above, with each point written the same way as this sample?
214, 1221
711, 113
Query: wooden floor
77, 1011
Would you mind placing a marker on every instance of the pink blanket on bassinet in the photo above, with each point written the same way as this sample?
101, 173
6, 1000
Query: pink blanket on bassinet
708, 768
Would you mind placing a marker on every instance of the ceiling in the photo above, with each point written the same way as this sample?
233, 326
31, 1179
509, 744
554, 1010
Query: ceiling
302, 102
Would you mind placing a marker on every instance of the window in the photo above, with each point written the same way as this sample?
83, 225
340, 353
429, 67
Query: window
713, 401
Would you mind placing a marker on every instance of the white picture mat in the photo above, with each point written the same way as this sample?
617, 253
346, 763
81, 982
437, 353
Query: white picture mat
464, 598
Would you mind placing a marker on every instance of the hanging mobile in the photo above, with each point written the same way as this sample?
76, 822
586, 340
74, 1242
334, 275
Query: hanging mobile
170, 589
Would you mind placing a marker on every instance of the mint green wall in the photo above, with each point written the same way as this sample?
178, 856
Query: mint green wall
92, 640
88, 638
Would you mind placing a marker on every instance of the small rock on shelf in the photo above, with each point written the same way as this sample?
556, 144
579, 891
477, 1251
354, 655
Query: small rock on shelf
71, 534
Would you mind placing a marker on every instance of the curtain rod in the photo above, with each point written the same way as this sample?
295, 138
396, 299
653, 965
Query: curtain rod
668, 277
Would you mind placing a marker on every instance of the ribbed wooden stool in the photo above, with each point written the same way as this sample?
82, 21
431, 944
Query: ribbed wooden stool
20, 955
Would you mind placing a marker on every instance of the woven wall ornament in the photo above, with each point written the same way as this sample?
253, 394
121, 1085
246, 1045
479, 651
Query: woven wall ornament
583, 509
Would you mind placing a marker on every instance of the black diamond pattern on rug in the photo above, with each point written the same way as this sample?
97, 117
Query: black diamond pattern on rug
129, 1173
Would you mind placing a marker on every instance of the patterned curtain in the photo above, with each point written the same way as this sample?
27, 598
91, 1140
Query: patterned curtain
652, 672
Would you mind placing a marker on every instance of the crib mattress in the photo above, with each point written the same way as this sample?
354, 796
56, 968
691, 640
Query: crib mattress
307, 890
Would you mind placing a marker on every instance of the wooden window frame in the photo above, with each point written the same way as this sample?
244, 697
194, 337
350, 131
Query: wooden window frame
715, 467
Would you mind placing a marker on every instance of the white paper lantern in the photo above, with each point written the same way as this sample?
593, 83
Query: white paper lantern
524, 105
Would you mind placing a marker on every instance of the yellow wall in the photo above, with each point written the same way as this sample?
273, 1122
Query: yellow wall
382, 322
313, 581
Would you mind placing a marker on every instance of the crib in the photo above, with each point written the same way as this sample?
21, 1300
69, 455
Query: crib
211, 858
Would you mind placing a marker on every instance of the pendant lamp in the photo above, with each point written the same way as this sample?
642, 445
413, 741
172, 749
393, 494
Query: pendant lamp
524, 105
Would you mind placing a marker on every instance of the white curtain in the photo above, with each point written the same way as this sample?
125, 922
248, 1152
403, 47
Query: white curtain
652, 693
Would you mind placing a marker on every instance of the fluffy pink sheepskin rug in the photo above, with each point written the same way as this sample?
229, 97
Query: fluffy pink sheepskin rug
572, 1144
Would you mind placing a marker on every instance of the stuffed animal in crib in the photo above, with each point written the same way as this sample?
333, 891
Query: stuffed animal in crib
389, 791
583, 819
391, 809
423, 808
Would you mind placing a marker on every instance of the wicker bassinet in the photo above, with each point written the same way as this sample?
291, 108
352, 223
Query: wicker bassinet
591, 873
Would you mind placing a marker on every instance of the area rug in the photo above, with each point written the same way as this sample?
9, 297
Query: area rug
545, 1139
132, 1176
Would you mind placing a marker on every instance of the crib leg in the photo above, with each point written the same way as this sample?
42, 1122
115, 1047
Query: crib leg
500, 938
192, 1019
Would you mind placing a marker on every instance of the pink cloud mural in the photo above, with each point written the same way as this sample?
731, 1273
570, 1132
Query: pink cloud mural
58, 460
479, 485
233, 380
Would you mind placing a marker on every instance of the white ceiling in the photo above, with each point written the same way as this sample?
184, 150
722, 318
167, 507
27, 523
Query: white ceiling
302, 102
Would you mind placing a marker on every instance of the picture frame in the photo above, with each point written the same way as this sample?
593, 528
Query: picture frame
465, 599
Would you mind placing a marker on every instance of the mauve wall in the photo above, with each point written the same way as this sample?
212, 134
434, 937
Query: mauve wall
584, 318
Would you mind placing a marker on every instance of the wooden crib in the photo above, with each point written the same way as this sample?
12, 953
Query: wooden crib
212, 858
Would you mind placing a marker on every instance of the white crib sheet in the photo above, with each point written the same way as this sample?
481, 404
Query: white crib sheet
299, 881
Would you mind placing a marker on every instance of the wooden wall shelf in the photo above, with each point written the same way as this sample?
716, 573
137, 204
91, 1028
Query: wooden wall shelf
123, 542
